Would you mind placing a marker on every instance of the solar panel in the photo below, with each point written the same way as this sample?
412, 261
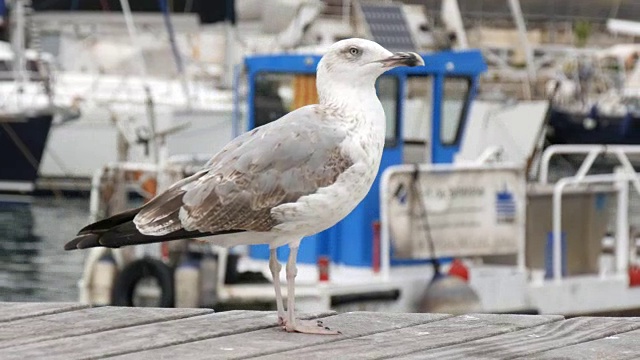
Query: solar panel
388, 26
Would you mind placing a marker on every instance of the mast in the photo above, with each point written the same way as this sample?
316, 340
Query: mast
516, 12
450, 13
174, 49
18, 42
133, 34
230, 36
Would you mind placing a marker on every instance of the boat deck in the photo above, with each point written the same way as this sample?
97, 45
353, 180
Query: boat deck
73, 331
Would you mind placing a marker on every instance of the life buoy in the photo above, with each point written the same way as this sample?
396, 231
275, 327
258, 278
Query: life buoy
130, 276
147, 183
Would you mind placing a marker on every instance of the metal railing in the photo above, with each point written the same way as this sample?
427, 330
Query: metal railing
592, 152
621, 179
624, 174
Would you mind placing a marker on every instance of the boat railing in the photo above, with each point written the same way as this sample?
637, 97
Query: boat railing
7, 75
127, 89
621, 177
109, 187
174, 168
23, 98
592, 152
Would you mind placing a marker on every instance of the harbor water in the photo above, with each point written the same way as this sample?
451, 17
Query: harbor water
33, 264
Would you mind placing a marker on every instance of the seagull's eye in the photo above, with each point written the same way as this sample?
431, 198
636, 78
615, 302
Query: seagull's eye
354, 51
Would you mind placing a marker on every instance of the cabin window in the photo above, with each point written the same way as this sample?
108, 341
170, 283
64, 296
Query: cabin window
454, 108
32, 68
5, 71
276, 94
416, 119
387, 88
273, 97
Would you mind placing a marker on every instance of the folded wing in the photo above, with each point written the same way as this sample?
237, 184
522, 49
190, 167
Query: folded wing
235, 192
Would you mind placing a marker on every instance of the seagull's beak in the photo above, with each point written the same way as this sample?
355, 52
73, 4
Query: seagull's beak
402, 59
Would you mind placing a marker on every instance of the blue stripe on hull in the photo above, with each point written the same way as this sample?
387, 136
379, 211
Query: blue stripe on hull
569, 128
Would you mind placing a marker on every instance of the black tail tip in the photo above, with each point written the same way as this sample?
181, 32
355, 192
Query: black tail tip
83, 242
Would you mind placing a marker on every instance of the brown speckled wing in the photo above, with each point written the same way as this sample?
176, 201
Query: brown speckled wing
269, 166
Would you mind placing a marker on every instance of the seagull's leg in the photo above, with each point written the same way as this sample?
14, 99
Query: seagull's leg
292, 271
275, 267
293, 325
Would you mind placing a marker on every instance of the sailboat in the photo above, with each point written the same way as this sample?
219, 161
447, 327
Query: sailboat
26, 107
131, 82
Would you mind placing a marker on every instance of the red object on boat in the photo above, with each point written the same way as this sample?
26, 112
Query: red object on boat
323, 268
458, 269
634, 275
375, 252
164, 251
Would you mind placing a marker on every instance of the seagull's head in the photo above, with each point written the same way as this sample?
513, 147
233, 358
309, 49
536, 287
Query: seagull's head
359, 61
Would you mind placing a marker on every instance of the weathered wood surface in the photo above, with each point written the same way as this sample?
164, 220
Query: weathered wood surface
85, 321
410, 339
620, 347
527, 342
71, 331
13, 311
275, 341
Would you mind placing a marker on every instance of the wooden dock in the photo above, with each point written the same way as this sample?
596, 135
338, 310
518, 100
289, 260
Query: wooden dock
72, 331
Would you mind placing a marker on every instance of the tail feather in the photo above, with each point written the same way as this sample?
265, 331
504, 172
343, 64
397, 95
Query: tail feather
119, 230
110, 222
159, 217
82, 242
127, 234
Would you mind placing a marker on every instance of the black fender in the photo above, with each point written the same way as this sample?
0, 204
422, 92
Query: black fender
132, 273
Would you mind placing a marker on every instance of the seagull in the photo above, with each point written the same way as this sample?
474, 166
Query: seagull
276, 184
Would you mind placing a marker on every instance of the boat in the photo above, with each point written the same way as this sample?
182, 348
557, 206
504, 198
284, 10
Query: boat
456, 221
189, 82
129, 87
26, 109
388, 263
595, 98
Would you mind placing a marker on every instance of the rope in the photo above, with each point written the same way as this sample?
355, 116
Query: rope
26, 152
21, 146
425, 221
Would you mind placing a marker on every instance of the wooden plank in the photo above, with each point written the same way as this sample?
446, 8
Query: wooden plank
10, 311
274, 340
530, 341
145, 337
620, 347
391, 344
86, 321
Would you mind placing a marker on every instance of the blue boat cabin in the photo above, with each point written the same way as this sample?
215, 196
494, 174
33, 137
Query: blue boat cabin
439, 95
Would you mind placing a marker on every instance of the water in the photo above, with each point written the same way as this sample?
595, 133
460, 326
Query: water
33, 264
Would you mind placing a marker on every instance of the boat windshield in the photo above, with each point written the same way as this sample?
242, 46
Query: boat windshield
454, 107
5, 70
7, 74
276, 94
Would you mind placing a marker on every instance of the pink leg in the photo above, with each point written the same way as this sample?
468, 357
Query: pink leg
275, 268
293, 325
